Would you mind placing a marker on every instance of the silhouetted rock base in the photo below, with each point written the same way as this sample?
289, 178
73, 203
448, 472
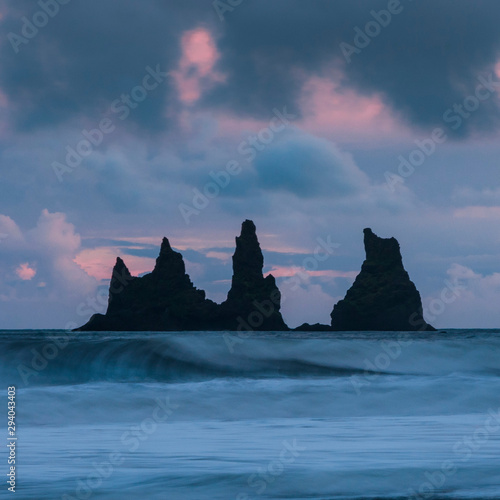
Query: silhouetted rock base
166, 299
382, 297
317, 327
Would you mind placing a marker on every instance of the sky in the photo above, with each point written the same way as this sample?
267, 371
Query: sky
123, 121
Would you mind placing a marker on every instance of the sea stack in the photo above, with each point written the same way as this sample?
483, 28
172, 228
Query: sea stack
382, 297
167, 300
253, 302
163, 300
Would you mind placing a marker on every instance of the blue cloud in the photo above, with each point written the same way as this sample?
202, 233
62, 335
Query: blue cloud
308, 166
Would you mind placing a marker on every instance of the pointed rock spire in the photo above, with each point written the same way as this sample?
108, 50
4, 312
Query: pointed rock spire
166, 299
382, 251
248, 261
169, 263
120, 271
120, 278
382, 297
165, 245
162, 300
253, 302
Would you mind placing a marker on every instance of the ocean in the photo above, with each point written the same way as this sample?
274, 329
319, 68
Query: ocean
214, 415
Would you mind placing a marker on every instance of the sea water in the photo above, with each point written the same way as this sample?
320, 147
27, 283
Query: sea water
221, 415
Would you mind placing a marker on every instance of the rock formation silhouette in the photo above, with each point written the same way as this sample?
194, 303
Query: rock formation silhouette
163, 300
253, 302
167, 300
382, 297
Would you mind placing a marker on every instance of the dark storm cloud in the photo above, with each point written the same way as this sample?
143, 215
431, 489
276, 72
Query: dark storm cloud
89, 54
425, 60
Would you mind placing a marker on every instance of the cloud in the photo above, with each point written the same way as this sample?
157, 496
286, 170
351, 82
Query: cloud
39, 274
9, 229
308, 166
195, 71
85, 58
329, 109
289, 271
308, 303
25, 272
475, 303
426, 60
323, 176
477, 212
98, 262
316, 171
478, 197
418, 63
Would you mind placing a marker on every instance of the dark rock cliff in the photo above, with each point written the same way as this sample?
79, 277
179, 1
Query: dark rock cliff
166, 299
253, 302
382, 297
163, 300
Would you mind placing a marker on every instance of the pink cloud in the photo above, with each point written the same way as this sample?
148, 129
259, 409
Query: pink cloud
497, 69
215, 239
272, 242
287, 271
99, 262
327, 109
53, 244
196, 66
25, 272
477, 212
218, 255
184, 240
57, 242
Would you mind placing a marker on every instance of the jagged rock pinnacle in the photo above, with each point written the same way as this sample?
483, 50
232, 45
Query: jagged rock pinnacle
382, 251
166, 299
163, 300
169, 264
248, 260
165, 245
250, 292
382, 297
